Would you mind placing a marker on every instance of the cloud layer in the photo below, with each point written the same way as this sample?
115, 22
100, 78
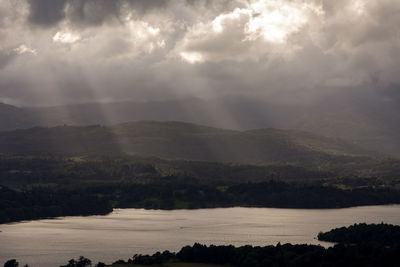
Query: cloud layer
57, 51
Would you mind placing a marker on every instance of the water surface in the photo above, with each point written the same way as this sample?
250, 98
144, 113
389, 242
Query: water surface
125, 232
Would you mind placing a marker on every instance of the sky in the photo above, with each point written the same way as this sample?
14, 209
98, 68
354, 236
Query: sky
55, 52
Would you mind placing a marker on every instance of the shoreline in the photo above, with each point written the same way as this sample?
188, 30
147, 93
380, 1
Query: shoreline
196, 209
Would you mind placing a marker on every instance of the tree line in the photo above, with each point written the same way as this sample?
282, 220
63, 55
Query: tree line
385, 234
101, 198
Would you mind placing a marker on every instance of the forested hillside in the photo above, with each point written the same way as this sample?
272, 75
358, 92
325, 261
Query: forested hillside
371, 126
181, 141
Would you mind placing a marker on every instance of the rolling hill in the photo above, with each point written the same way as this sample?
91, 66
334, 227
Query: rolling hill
375, 130
373, 127
179, 140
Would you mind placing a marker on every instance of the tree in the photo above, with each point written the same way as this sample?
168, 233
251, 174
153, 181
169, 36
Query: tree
11, 263
81, 262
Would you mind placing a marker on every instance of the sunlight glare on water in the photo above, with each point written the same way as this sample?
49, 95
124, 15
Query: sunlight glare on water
125, 232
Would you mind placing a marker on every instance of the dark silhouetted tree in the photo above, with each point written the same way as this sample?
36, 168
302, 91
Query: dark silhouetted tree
11, 263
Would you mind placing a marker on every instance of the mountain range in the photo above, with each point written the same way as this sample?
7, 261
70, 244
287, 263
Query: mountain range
178, 140
374, 129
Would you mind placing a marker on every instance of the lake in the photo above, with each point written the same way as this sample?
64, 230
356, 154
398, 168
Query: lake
125, 232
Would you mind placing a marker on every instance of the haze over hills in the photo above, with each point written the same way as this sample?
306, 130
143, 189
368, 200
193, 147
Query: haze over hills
12, 118
178, 140
374, 129
230, 113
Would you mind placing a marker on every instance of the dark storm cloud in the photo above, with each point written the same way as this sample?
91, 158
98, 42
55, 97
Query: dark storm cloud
145, 6
86, 12
92, 12
144, 49
96, 12
46, 12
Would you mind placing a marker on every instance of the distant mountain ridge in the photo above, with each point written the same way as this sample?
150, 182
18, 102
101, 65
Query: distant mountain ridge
178, 140
12, 118
375, 130
372, 128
